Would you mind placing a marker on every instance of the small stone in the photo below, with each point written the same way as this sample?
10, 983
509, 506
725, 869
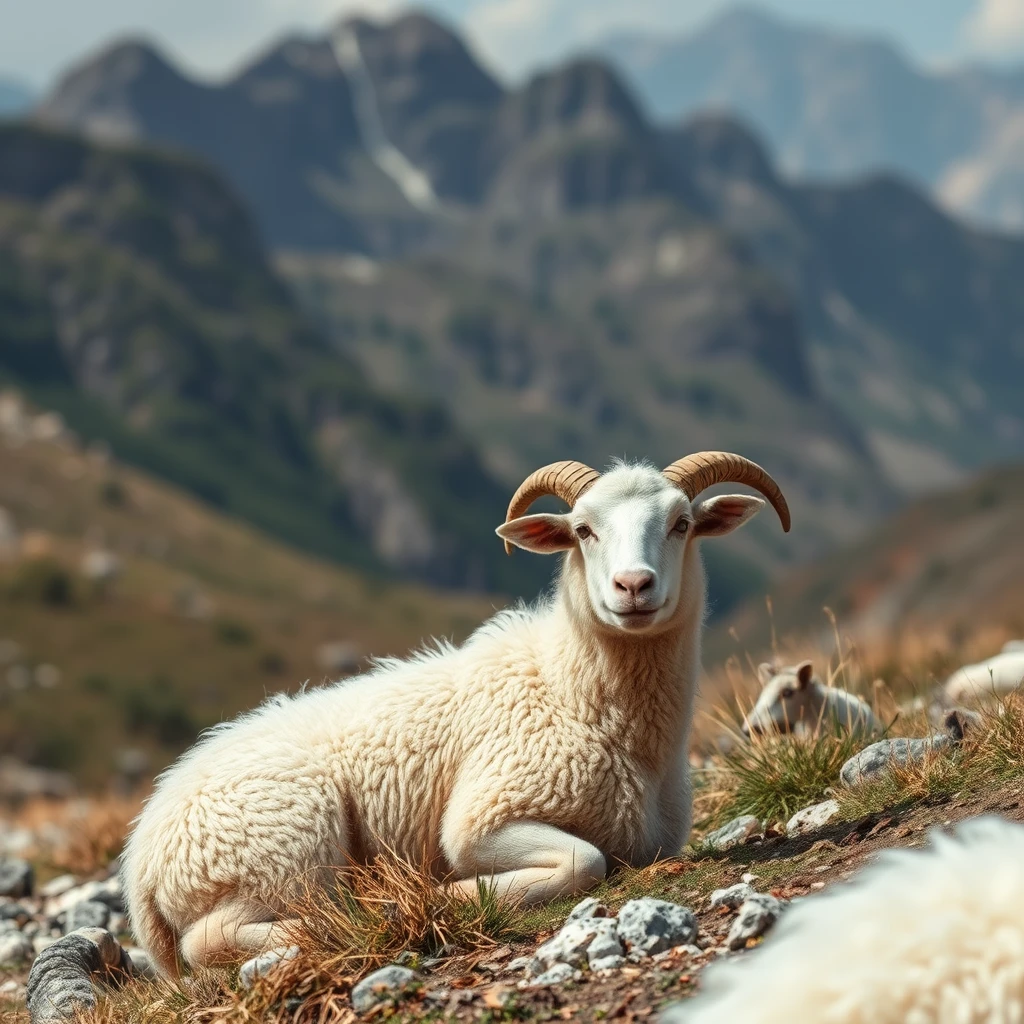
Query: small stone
12, 991
735, 833
608, 963
260, 966
569, 946
142, 963
16, 878
731, 897
16, 913
519, 964
387, 983
15, 949
877, 758
648, 926
556, 975
590, 907
756, 916
811, 818
87, 914
606, 942
58, 886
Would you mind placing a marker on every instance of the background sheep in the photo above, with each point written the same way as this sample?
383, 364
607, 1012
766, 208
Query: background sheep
995, 676
932, 937
555, 738
792, 699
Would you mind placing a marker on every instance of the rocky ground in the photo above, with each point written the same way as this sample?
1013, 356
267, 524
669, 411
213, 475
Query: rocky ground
640, 943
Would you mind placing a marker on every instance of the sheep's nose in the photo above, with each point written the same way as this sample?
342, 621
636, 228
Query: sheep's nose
633, 583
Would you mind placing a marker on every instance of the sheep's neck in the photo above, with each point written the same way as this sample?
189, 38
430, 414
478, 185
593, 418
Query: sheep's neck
639, 688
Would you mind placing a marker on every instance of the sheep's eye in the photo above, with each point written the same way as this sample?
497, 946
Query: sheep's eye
787, 693
682, 525
583, 531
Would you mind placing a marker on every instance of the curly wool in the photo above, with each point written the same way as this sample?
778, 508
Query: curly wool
921, 937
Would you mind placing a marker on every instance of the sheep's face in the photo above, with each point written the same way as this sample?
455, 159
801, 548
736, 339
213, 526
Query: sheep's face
786, 700
629, 536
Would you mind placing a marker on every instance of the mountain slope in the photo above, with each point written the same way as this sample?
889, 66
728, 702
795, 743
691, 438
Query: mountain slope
947, 567
205, 618
135, 298
832, 104
915, 321
15, 97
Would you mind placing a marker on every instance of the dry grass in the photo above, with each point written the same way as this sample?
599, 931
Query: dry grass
369, 915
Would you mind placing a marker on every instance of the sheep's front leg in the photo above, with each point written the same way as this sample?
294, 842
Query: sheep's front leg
529, 862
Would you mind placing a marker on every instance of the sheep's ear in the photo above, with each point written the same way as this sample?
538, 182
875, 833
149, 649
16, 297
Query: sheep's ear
765, 672
719, 516
804, 671
542, 534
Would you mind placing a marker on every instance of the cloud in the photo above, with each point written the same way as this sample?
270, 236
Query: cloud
996, 27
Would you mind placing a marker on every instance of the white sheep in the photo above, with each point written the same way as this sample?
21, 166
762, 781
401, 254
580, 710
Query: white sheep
553, 742
792, 699
933, 937
995, 676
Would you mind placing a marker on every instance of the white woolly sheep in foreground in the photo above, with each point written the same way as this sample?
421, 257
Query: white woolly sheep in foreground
921, 937
995, 676
552, 743
793, 700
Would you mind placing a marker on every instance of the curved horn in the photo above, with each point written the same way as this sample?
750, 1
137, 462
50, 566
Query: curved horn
701, 470
566, 480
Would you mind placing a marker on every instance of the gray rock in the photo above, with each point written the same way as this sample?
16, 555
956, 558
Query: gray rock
107, 891
569, 946
15, 949
58, 886
734, 833
556, 975
13, 912
590, 907
877, 758
732, 896
16, 878
756, 916
811, 818
608, 963
87, 914
648, 926
142, 963
606, 943
60, 981
260, 966
387, 983
519, 964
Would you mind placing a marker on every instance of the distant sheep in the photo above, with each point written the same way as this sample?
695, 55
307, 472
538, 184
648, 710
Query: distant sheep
552, 742
995, 676
921, 937
793, 700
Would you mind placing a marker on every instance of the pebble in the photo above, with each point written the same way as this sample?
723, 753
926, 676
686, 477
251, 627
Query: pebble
260, 966
15, 949
877, 758
556, 975
649, 926
87, 914
590, 907
16, 878
58, 886
387, 983
734, 833
733, 896
12, 990
519, 964
811, 818
608, 963
606, 942
756, 916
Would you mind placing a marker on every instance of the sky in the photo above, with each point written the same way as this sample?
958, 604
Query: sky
211, 37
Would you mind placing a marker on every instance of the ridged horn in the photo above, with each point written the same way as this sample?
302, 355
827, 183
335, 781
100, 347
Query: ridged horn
702, 470
566, 480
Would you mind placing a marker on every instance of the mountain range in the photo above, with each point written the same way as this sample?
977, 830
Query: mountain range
15, 97
838, 104
540, 272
